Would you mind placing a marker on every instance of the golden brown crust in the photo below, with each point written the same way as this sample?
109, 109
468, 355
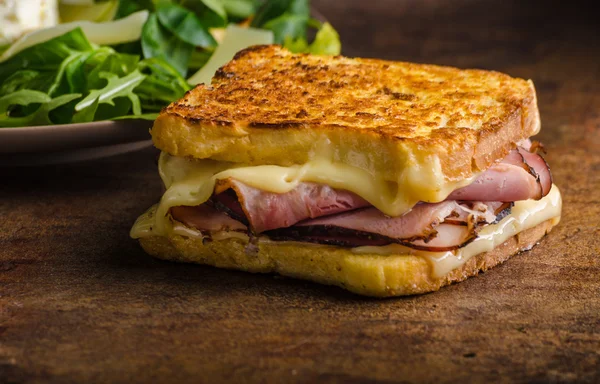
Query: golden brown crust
269, 106
365, 274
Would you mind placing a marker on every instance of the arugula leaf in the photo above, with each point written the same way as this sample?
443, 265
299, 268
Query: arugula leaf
162, 85
241, 9
286, 18
211, 13
185, 25
96, 112
217, 7
48, 55
158, 41
119, 64
75, 74
287, 25
87, 114
299, 8
114, 99
127, 7
143, 116
327, 42
40, 117
22, 97
299, 45
270, 10
116, 87
60, 85
22, 79
199, 58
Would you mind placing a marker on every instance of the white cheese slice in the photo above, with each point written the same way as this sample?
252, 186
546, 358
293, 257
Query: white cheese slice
18, 17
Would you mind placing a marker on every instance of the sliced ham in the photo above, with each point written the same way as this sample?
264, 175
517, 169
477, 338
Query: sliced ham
445, 237
501, 182
418, 223
539, 169
434, 227
521, 175
266, 210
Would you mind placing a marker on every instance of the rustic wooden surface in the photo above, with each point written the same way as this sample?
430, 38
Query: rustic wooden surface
80, 302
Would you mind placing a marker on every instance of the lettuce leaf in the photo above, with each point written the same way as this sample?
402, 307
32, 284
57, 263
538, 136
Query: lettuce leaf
185, 25
326, 42
274, 9
240, 9
158, 41
286, 18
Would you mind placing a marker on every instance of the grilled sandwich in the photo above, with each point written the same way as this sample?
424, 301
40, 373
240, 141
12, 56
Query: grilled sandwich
384, 178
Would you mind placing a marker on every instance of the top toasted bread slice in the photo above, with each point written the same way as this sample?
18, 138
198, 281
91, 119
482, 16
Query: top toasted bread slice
269, 106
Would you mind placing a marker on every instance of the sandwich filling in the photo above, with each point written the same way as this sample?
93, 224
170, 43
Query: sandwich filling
309, 203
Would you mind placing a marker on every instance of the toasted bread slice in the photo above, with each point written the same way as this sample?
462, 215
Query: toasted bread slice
365, 274
269, 106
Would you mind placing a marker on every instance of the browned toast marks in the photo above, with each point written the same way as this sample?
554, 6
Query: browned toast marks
269, 106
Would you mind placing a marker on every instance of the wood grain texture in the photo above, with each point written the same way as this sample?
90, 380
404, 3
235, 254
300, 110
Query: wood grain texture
81, 302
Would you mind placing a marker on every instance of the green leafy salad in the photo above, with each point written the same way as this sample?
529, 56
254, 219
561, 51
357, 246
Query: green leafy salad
122, 59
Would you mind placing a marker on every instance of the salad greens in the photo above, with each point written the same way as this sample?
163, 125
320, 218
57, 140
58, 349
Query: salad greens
133, 65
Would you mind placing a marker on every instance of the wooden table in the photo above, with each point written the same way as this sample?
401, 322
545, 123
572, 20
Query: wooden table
80, 302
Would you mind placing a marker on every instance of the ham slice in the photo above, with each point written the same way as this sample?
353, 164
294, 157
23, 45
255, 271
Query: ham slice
433, 227
264, 211
521, 175
501, 182
538, 168
418, 223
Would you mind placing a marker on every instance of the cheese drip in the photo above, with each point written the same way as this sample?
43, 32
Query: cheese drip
191, 182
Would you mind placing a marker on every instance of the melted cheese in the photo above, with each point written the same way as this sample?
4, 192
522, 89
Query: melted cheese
145, 227
191, 182
524, 215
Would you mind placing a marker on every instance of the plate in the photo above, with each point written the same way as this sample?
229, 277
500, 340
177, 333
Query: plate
55, 144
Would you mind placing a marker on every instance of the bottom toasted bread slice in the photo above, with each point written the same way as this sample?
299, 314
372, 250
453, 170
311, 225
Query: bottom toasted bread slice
365, 274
